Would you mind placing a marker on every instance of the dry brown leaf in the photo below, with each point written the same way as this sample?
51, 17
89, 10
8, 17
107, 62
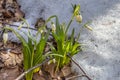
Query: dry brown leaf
11, 59
7, 14
47, 48
36, 76
40, 72
10, 11
40, 22
10, 45
9, 1
1, 44
51, 69
15, 48
66, 70
9, 73
19, 14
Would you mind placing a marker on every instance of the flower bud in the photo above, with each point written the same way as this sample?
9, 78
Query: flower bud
88, 27
53, 27
78, 18
49, 62
41, 31
54, 61
5, 37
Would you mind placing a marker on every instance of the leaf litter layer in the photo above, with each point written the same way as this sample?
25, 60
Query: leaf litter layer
10, 11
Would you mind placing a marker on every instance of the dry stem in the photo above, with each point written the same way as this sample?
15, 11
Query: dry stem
24, 73
79, 68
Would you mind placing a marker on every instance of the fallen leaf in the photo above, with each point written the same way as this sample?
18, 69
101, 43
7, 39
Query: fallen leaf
9, 73
7, 14
11, 59
51, 69
36, 76
10, 11
9, 1
1, 44
40, 22
66, 70
19, 14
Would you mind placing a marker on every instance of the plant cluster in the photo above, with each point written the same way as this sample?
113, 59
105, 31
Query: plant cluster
33, 49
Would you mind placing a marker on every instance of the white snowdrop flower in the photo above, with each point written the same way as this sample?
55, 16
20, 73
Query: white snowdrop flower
40, 72
54, 61
58, 78
88, 27
53, 27
41, 31
49, 62
78, 18
5, 37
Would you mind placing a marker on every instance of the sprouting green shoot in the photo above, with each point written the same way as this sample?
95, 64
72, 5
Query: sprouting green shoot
32, 50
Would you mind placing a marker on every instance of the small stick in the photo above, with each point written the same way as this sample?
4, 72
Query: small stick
23, 26
75, 77
24, 73
18, 26
2, 34
79, 67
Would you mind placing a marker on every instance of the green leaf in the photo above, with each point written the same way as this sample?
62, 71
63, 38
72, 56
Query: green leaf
56, 55
72, 36
38, 57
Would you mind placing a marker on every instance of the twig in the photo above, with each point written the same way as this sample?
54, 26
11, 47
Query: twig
23, 26
79, 67
1, 34
75, 77
6, 49
24, 73
18, 26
